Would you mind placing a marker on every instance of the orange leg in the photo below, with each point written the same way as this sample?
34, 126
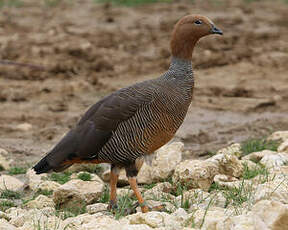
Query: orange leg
113, 186
134, 187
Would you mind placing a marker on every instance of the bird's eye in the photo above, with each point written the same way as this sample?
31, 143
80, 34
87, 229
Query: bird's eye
198, 22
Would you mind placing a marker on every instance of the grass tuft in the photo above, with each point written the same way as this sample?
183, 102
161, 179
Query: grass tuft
105, 197
44, 192
61, 178
72, 211
149, 186
251, 173
17, 170
6, 204
85, 176
125, 204
9, 194
256, 145
235, 196
95, 168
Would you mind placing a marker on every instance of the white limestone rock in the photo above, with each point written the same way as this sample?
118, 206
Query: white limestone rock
208, 219
137, 227
40, 202
165, 160
155, 205
10, 183
227, 181
234, 149
34, 179
224, 178
280, 171
50, 222
194, 197
217, 199
159, 191
240, 222
249, 164
156, 220
37, 182
125, 192
279, 135
275, 190
5, 163
98, 207
97, 221
275, 160
269, 214
195, 174
227, 164
181, 214
197, 198
257, 156
48, 185
283, 147
152, 219
3, 215
145, 175
122, 180
20, 216
75, 191
4, 225
14, 212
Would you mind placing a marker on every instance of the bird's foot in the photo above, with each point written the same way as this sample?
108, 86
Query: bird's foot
158, 208
112, 205
147, 208
144, 207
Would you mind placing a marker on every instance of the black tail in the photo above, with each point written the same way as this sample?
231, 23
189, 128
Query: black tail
59, 154
42, 166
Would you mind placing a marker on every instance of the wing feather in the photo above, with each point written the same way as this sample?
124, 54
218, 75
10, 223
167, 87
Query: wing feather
97, 125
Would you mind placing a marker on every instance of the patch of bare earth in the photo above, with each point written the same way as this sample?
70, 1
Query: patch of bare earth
88, 50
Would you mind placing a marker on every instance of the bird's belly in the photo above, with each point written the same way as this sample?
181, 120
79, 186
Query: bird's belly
160, 131
158, 140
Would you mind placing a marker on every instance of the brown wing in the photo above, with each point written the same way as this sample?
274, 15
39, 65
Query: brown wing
97, 125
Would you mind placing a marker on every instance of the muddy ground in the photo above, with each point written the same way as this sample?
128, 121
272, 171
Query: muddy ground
88, 50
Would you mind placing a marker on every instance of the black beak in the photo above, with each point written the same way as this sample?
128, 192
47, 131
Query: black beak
215, 30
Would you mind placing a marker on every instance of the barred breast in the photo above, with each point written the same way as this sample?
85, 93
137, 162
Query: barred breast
152, 126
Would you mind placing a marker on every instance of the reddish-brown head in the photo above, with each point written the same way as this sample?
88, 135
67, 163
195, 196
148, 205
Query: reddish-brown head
188, 31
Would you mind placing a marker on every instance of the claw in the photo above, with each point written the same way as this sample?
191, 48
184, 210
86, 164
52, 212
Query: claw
112, 205
159, 208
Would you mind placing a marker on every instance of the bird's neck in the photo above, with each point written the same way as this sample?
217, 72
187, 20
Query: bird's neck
181, 48
181, 67
181, 74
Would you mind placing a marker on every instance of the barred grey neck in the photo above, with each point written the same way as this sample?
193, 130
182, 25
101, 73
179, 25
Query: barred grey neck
181, 67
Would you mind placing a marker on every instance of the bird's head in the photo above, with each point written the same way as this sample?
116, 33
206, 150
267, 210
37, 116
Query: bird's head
187, 31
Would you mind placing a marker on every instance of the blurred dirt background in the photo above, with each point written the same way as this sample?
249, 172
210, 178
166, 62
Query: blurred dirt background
90, 49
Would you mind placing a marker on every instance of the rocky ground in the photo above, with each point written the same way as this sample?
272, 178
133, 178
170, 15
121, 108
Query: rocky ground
235, 188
